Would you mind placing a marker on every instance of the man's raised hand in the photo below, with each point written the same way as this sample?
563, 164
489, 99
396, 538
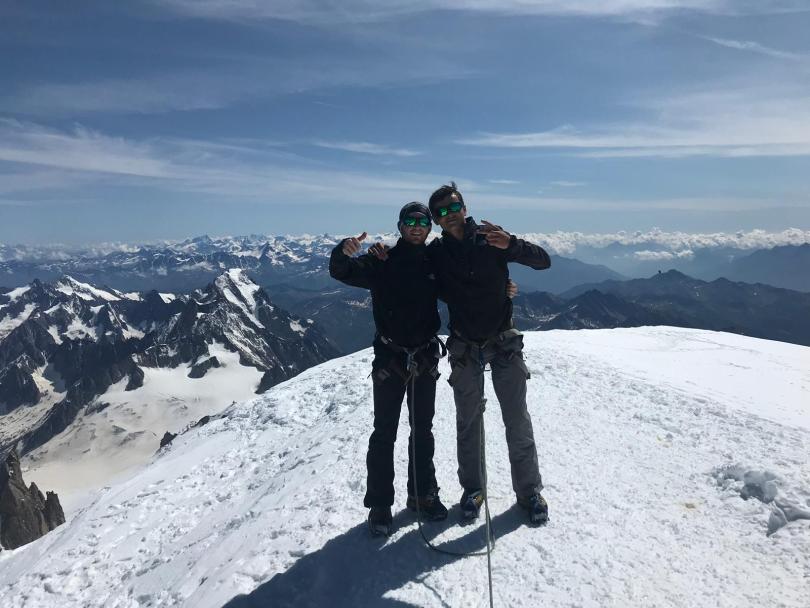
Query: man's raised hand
379, 250
495, 235
352, 244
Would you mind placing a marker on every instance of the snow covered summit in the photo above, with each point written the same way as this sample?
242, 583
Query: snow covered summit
675, 464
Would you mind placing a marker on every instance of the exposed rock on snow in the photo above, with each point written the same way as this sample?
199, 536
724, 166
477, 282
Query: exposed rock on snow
25, 514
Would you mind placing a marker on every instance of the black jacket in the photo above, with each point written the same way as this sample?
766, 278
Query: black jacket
472, 277
403, 290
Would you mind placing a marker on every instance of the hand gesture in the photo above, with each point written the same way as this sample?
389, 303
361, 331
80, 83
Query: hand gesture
511, 288
352, 245
379, 250
495, 235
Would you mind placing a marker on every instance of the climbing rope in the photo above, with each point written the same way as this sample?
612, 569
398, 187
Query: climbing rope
411, 371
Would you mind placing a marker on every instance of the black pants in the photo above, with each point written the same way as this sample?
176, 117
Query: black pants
389, 389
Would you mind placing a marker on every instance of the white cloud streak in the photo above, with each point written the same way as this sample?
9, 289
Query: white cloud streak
656, 256
732, 122
223, 85
250, 172
79, 150
246, 171
671, 244
360, 147
567, 184
755, 47
365, 11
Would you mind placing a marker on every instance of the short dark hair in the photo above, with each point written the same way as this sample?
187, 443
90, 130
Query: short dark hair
444, 192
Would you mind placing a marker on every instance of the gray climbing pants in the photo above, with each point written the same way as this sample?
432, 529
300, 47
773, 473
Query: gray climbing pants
509, 374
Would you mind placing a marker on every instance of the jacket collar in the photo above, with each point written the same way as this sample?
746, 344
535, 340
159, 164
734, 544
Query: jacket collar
470, 230
408, 248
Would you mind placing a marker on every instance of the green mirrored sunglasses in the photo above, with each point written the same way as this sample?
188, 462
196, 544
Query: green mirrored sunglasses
453, 207
416, 221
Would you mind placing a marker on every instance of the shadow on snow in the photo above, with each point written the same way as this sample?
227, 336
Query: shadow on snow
353, 569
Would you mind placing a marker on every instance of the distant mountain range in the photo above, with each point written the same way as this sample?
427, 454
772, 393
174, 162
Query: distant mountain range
182, 267
302, 261
669, 298
782, 266
672, 298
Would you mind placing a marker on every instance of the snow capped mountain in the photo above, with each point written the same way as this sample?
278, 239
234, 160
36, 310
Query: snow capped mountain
675, 464
183, 266
270, 260
88, 370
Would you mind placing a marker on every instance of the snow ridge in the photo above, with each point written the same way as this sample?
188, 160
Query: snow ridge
266, 500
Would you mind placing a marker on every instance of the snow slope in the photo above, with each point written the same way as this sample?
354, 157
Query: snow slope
647, 438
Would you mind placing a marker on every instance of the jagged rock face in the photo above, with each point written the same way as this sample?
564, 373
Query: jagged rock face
92, 338
25, 514
17, 386
237, 313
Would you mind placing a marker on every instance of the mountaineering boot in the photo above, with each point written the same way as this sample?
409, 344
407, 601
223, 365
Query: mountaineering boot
379, 521
536, 506
430, 505
470, 504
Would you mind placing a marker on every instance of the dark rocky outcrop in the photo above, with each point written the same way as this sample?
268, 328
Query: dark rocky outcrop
270, 378
200, 369
25, 514
136, 377
167, 438
17, 387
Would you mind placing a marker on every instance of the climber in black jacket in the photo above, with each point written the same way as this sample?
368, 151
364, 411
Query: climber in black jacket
403, 295
470, 262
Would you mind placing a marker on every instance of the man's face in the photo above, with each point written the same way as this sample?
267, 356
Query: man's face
415, 235
453, 218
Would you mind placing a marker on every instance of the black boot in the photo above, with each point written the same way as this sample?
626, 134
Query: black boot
536, 506
470, 504
379, 521
430, 505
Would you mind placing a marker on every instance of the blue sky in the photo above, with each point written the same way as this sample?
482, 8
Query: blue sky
171, 118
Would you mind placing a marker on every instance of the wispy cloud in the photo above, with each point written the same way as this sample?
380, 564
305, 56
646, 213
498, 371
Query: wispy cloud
224, 85
362, 147
506, 182
567, 184
81, 149
250, 172
363, 11
755, 47
733, 122
224, 170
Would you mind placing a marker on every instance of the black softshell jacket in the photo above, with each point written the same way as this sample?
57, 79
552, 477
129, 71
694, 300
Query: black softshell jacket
472, 277
403, 290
